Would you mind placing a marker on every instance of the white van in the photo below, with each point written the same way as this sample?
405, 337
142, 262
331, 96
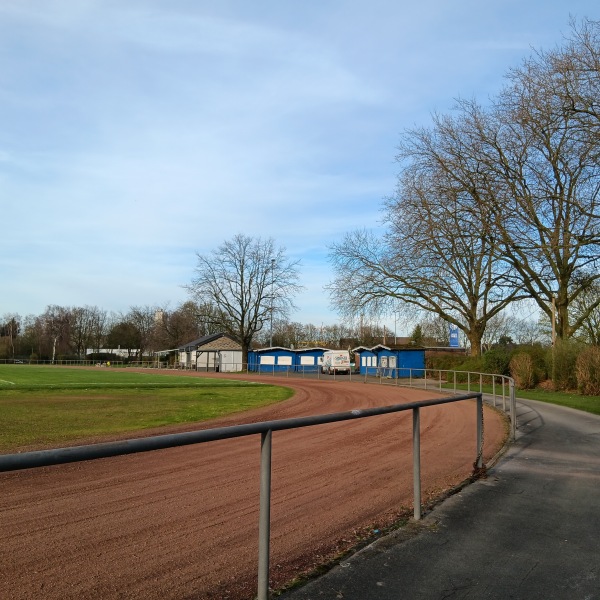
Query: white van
335, 361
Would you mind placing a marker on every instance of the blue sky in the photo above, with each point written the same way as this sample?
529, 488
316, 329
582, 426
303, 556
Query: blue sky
137, 133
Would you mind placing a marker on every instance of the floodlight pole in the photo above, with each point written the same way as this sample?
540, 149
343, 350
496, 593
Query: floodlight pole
272, 286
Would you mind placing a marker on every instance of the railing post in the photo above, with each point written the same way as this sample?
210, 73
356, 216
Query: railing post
264, 519
513, 410
417, 463
479, 461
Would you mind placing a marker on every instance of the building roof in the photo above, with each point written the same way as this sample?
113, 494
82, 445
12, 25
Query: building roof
204, 340
390, 348
315, 348
274, 348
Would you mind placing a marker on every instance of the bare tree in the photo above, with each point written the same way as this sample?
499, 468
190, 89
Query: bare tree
589, 331
9, 330
576, 68
123, 334
57, 329
86, 327
540, 149
144, 319
188, 321
499, 327
441, 251
249, 282
285, 333
436, 328
32, 337
493, 205
99, 324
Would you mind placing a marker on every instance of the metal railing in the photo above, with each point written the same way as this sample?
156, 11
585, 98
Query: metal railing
498, 390
43, 458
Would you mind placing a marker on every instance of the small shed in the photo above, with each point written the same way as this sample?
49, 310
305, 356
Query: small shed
215, 352
390, 361
278, 359
271, 360
308, 360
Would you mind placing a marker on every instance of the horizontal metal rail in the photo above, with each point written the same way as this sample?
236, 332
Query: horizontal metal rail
416, 377
45, 458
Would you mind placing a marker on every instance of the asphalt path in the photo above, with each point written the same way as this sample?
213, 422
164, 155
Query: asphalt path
530, 530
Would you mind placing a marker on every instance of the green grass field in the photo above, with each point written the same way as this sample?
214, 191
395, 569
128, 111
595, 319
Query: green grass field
589, 404
47, 406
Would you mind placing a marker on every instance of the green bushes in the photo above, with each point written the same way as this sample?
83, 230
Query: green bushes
522, 370
444, 362
569, 366
561, 360
587, 369
497, 361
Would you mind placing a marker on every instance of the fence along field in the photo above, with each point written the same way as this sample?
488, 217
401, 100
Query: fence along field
42, 407
191, 514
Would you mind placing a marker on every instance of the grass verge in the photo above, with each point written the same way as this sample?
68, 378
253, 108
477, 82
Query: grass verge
589, 404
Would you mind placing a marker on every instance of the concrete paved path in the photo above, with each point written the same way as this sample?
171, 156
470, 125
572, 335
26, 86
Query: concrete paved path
531, 530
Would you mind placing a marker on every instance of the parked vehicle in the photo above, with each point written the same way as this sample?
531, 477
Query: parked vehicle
335, 361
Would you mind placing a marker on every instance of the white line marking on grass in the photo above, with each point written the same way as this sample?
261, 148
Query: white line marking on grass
6, 381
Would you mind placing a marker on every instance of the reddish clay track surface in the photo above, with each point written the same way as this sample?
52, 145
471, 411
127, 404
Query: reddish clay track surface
182, 523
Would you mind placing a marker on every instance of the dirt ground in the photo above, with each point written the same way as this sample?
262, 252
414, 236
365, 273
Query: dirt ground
182, 523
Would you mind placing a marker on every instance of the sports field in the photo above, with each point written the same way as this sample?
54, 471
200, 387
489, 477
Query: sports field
43, 406
182, 522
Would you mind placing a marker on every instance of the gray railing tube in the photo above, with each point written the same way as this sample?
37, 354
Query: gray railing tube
264, 519
479, 461
44, 458
416, 464
513, 410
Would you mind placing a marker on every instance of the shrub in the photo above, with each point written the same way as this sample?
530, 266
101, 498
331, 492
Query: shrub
587, 369
473, 364
444, 362
561, 360
496, 361
522, 370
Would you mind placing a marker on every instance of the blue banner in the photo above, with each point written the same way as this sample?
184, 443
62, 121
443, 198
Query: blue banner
454, 336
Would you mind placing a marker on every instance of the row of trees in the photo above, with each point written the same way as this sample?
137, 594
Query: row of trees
494, 205
243, 288
69, 332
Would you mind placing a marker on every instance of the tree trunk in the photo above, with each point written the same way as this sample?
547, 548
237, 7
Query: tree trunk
245, 349
475, 336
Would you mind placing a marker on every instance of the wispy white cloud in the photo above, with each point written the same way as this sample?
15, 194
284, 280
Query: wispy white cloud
135, 134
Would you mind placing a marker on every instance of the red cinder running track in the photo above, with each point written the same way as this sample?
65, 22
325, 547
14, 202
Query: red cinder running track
183, 523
